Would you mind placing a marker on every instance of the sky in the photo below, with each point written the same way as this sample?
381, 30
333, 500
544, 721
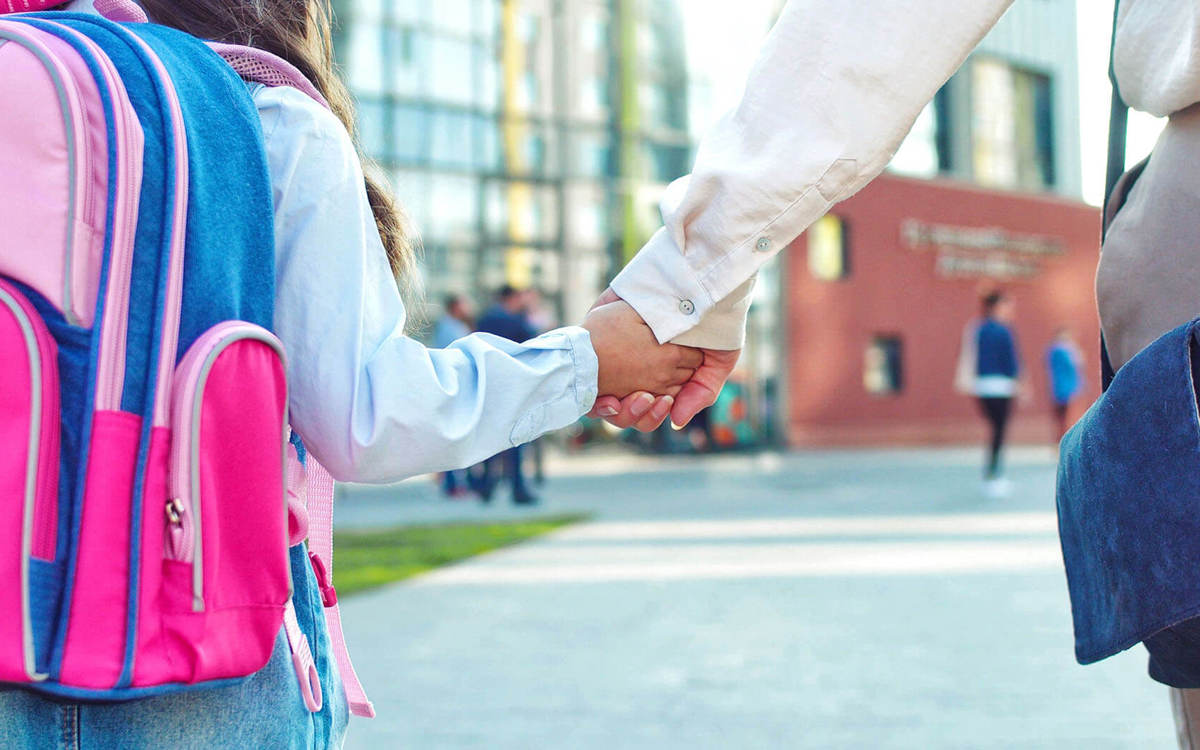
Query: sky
723, 38
1094, 23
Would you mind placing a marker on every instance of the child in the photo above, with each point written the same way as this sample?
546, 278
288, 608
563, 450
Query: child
1063, 365
370, 403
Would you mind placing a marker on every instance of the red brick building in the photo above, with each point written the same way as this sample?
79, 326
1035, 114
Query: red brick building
875, 300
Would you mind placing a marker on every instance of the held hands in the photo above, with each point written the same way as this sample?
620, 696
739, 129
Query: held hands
633, 364
644, 411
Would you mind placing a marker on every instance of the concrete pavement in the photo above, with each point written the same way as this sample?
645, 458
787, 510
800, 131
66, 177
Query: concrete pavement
827, 600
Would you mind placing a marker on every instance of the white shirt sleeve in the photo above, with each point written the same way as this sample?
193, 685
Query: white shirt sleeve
834, 91
371, 403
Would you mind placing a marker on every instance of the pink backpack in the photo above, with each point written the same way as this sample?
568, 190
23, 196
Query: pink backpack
150, 488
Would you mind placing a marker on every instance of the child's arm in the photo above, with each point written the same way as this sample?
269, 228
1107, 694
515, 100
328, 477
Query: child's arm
373, 404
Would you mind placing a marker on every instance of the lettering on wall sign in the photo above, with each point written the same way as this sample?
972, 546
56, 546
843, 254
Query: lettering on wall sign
981, 252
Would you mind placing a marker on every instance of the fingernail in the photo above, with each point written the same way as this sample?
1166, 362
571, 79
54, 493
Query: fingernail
608, 411
676, 427
664, 407
641, 404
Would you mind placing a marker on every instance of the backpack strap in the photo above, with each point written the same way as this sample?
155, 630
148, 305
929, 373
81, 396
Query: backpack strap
259, 66
121, 11
252, 64
302, 659
320, 553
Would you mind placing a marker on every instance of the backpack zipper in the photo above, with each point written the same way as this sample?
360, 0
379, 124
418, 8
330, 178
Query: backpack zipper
69, 104
184, 507
129, 145
39, 519
174, 286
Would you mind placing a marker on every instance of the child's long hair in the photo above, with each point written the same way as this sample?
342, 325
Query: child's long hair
301, 32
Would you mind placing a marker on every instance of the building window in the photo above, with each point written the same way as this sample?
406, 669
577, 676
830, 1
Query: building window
595, 31
883, 374
668, 162
1012, 126
450, 75
410, 134
594, 96
408, 53
528, 92
365, 61
828, 249
925, 151
372, 125
535, 152
451, 145
593, 155
453, 16
529, 27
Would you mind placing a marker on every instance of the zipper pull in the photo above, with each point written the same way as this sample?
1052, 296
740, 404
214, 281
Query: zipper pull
175, 510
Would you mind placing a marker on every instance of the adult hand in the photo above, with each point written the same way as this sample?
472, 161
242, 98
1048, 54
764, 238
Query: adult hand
644, 412
631, 359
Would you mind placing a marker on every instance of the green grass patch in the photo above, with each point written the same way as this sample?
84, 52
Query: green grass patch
366, 559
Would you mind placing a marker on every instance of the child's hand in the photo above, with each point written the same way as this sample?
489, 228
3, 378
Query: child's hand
631, 359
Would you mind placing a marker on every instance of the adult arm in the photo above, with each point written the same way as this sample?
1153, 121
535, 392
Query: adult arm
836, 87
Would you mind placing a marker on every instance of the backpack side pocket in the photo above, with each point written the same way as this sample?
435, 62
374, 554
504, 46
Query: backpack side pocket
29, 423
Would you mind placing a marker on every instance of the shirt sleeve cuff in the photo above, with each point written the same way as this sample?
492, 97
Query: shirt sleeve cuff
577, 341
663, 288
724, 325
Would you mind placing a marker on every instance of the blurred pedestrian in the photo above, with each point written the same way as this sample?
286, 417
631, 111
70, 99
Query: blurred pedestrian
996, 370
454, 324
541, 319
700, 432
1063, 363
507, 318
456, 321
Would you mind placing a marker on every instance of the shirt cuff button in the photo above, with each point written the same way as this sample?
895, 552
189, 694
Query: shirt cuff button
762, 245
686, 307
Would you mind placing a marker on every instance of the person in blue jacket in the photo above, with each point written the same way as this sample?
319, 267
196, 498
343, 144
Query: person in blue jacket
508, 318
1063, 366
997, 368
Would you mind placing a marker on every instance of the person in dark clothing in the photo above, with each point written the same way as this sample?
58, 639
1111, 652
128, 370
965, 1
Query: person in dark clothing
996, 370
507, 318
452, 326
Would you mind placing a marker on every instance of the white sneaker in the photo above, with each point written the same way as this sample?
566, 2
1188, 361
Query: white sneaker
997, 488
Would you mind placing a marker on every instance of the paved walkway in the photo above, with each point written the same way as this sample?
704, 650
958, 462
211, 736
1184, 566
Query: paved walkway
832, 600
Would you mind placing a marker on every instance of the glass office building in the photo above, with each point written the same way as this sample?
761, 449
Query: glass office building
528, 139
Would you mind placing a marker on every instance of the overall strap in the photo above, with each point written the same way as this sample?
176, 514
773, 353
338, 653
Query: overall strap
1118, 122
